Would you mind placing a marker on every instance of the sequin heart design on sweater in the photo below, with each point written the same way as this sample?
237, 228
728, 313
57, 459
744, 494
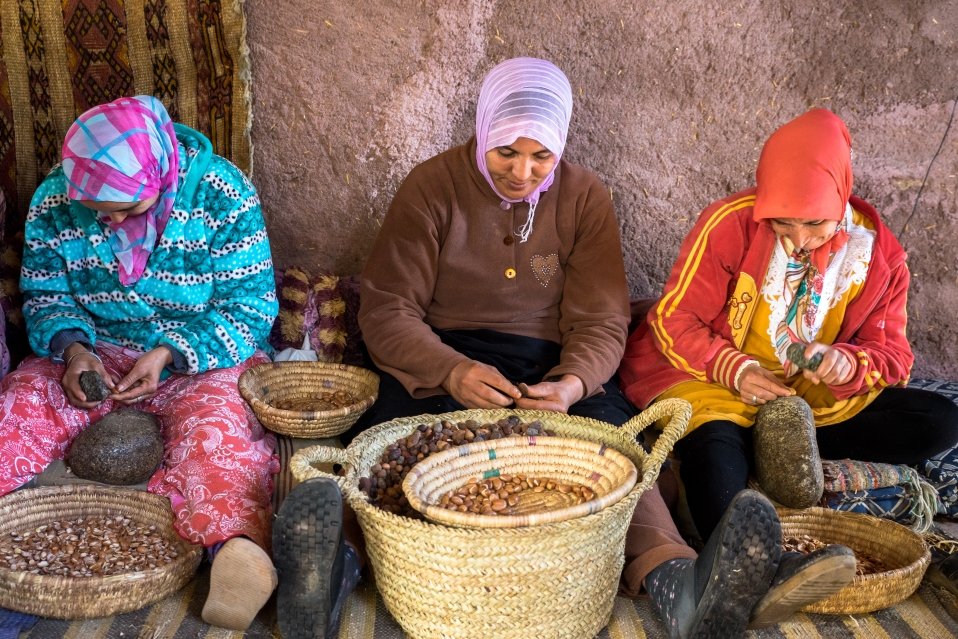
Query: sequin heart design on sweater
545, 267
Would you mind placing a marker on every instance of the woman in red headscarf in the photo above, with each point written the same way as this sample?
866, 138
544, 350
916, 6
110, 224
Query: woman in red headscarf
800, 259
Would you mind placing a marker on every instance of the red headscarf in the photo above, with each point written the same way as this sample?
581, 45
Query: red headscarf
805, 171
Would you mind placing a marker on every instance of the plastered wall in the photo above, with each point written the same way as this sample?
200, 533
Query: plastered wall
673, 102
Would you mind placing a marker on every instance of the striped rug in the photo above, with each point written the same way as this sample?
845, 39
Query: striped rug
926, 615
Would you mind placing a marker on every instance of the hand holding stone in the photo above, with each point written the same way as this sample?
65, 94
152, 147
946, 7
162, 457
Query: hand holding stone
80, 361
796, 355
834, 367
93, 386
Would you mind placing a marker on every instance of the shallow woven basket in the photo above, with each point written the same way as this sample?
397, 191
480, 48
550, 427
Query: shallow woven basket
277, 381
893, 544
91, 597
609, 474
555, 581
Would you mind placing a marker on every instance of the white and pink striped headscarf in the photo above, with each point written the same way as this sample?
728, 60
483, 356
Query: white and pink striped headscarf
523, 98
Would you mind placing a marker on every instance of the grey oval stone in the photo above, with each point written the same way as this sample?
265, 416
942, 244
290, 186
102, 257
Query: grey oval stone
93, 386
123, 448
796, 355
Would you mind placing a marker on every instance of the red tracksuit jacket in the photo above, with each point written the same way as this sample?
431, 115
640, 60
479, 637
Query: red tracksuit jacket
697, 327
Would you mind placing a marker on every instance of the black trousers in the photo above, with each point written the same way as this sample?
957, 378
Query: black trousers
518, 358
902, 426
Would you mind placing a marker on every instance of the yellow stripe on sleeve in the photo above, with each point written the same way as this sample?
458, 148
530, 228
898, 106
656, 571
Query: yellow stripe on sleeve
671, 301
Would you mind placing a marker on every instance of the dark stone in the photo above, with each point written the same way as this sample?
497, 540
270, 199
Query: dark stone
124, 448
796, 355
93, 387
787, 464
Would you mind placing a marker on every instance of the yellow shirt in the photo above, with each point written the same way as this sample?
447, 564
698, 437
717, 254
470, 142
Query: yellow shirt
713, 402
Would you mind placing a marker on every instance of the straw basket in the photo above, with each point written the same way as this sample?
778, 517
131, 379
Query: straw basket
267, 383
90, 597
904, 551
555, 581
607, 473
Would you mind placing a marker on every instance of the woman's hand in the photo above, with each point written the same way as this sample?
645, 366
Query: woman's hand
80, 360
554, 396
836, 368
142, 382
758, 386
477, 385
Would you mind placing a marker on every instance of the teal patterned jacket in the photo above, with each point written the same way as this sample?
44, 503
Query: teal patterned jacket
208, 290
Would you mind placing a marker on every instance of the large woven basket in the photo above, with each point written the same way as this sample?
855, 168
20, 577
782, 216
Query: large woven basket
91, 597
904, 551
608, 473
555, 581
267, 383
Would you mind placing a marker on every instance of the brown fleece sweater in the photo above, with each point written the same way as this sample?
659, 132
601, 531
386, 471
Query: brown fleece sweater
447, 257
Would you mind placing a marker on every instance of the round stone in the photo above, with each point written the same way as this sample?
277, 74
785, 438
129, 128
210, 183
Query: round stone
796, 355
123, 448
93, 387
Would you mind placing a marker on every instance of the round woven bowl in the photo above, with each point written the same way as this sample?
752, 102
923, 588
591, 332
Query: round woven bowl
555, 581
91, 597
606, 472
904, 551
268, 383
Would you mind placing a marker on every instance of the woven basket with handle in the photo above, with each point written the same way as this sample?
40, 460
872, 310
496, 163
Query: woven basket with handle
608, 473
556, 580
268, 384
91, 597
903, 551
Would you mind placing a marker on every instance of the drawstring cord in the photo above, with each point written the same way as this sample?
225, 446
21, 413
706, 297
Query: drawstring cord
526, 228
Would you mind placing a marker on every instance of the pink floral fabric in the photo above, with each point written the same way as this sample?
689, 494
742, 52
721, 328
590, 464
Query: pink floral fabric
218, 463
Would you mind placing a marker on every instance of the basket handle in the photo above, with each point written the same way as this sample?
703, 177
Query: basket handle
680, 412
301, 466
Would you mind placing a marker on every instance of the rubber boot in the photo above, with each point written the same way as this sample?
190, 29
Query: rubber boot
712, 596
317, 569
802, 580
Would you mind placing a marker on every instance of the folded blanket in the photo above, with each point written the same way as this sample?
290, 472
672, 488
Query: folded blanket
887, 491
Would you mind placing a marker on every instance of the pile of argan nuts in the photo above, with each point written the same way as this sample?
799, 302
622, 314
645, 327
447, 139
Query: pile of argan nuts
318, 402
499, 495
384, 484
806, 544
86, 547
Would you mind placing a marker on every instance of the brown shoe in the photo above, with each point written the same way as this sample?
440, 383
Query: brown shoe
241, 581
787, 464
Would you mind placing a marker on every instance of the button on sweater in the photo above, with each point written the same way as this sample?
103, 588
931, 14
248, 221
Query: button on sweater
440, 261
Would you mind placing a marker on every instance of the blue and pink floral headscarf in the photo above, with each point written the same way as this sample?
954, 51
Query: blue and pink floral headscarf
523, 98
125, 151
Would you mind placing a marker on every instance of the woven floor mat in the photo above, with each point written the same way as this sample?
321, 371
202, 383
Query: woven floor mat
928, 614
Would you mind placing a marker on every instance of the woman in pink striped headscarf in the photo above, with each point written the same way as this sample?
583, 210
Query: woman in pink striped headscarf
497, 280
125, 152
147, 267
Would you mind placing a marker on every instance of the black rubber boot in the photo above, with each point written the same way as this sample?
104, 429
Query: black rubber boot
787, 464
310, 558
711, 597
346, 571
802, 580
